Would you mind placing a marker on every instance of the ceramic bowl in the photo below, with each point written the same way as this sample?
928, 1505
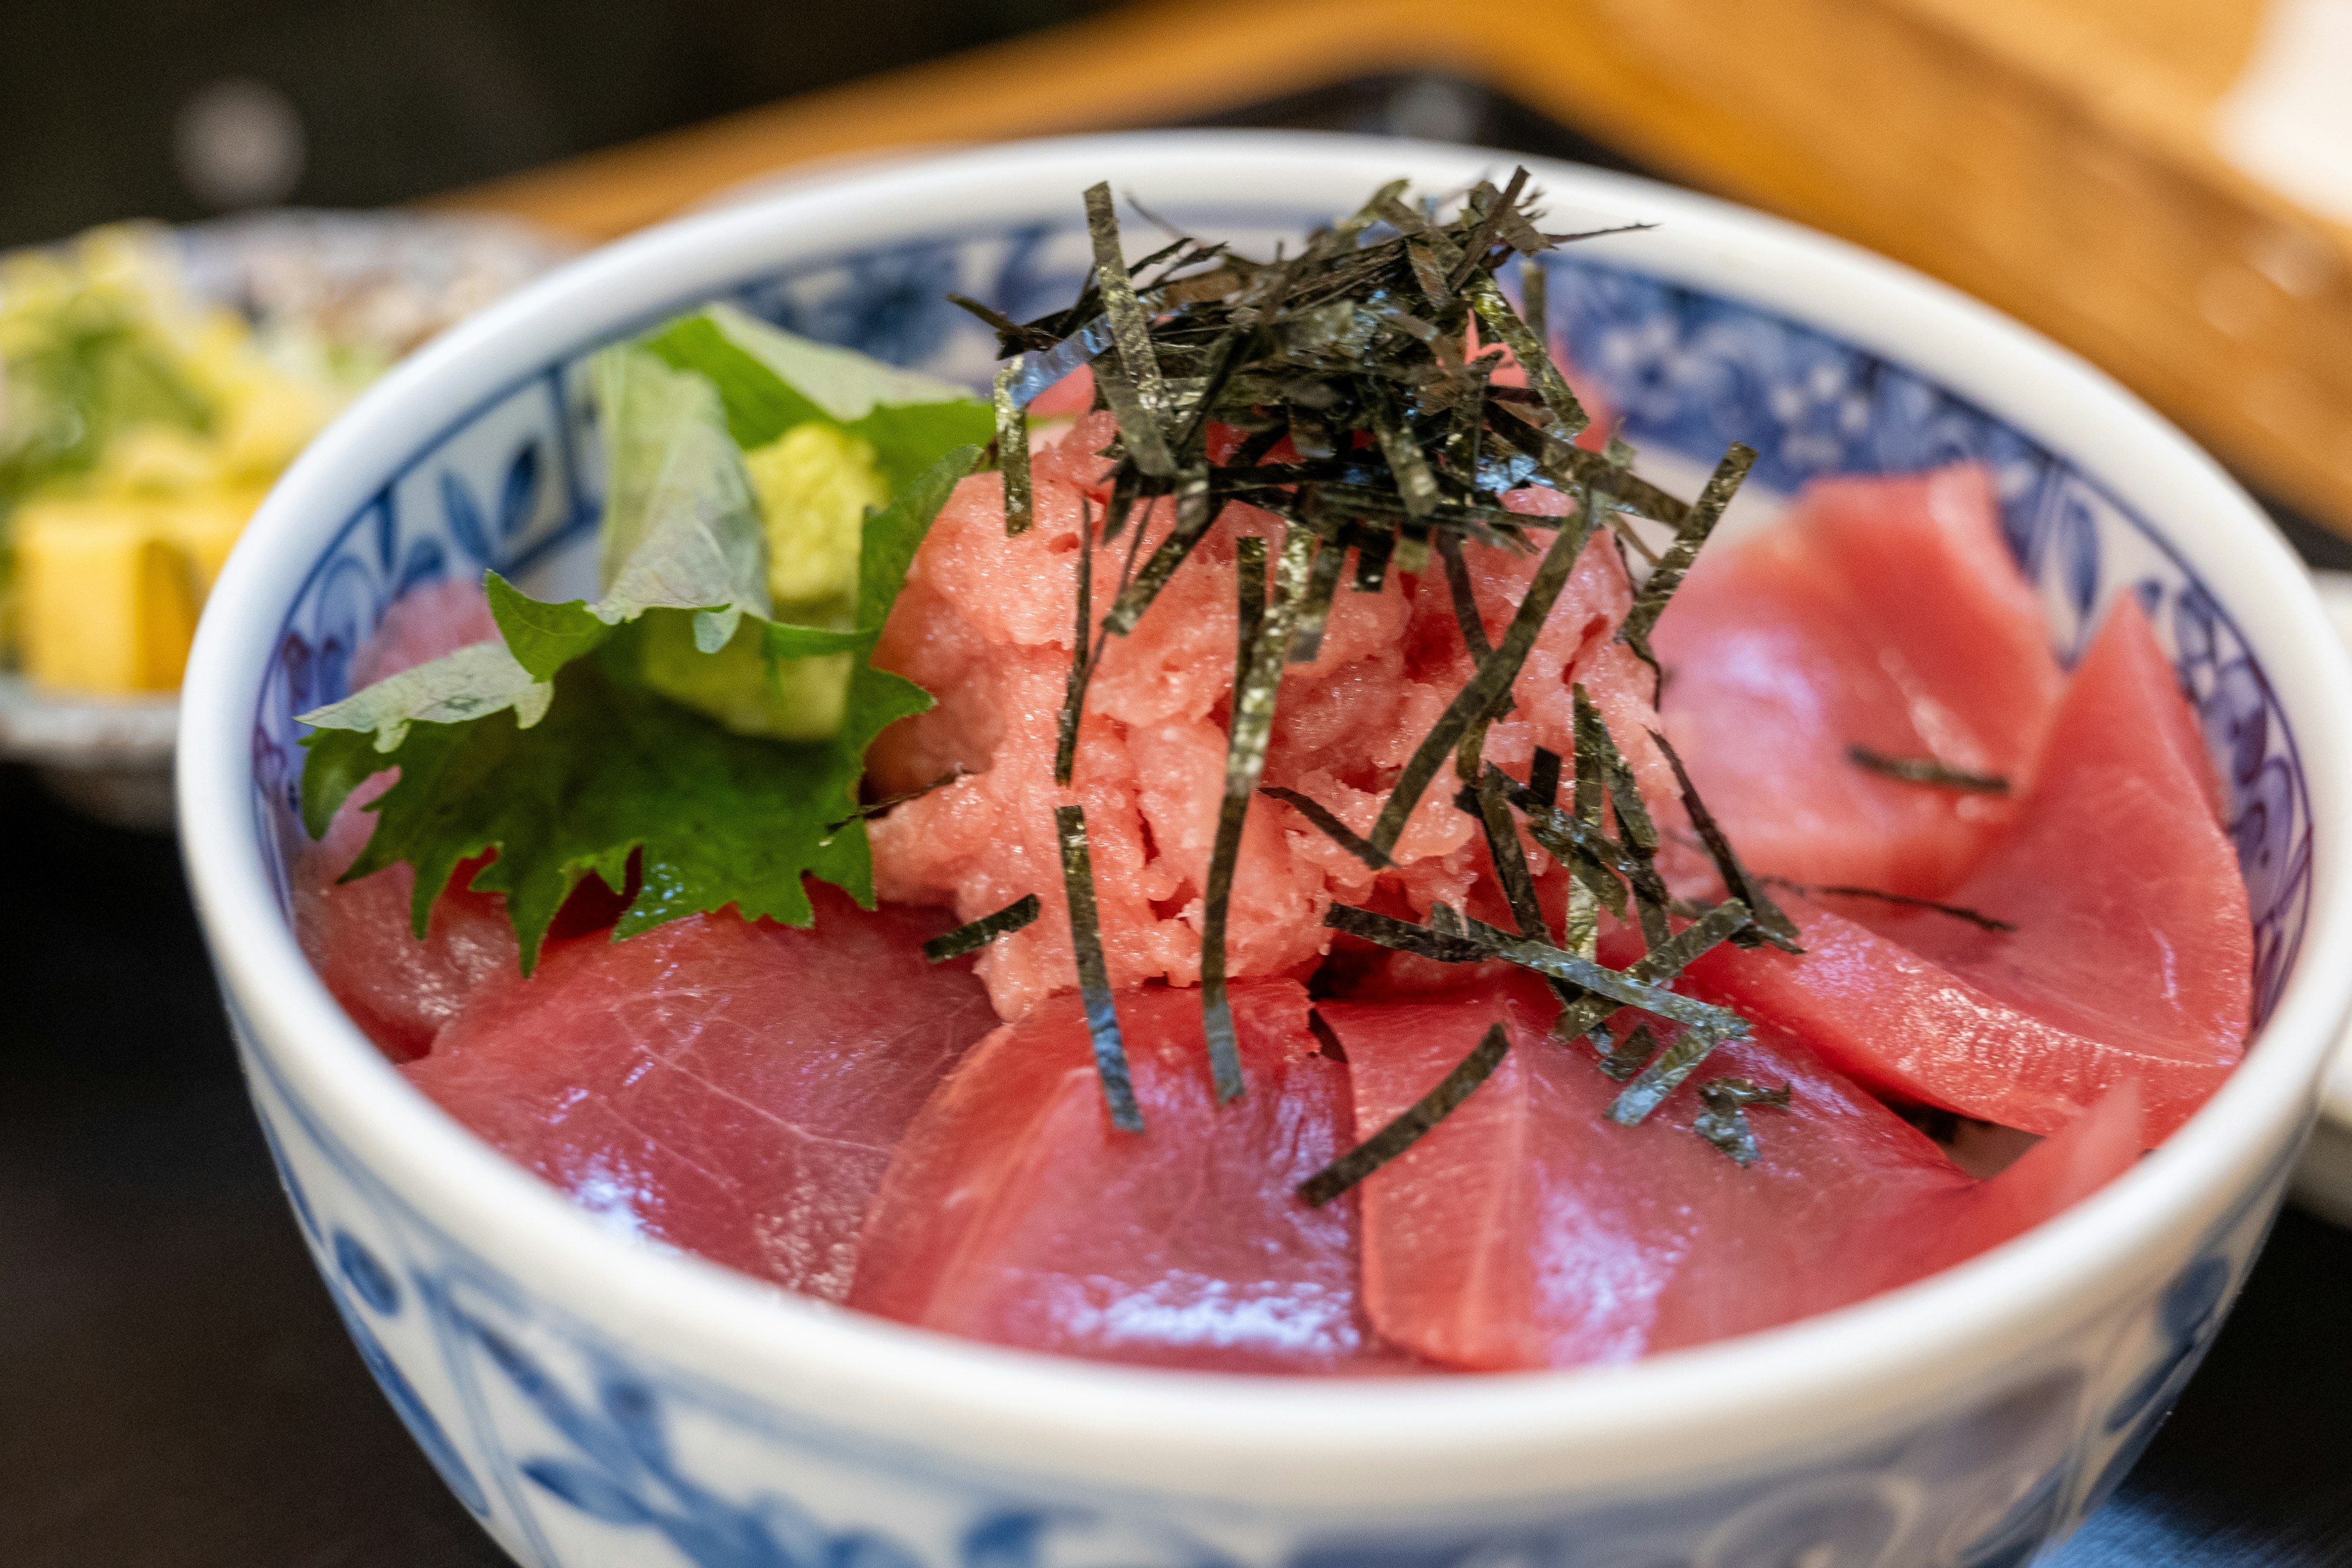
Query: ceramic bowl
594, 1402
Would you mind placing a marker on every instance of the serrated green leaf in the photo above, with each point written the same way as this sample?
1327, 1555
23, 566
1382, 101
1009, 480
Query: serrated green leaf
471, 683
614, 771
771, 380
672, 720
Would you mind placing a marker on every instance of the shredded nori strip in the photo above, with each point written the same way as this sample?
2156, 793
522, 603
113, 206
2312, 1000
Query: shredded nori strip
1770, 921
1466, 599
1082, 648
1410, 1127
1127, 377
1543, 779
1621, 1059
1510, 858
1534, 303
873, 808
1314, 612
1660, 964
1013, 452
1569, 416
1496, 672
1665, 1074
1925, 771
1724, 1122
1668, 573
1477, 941
1250, 730
1094, 975
1196, 509
1322, 819
1634, 825
1958, 912
972, 938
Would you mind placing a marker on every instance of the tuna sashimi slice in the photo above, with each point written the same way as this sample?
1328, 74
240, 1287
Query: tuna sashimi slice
2133, 953
1014, 1212
722, 1087
1527, 1231
1884, 613
400, 991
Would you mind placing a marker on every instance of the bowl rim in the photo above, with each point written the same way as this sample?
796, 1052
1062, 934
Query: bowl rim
1262, 1438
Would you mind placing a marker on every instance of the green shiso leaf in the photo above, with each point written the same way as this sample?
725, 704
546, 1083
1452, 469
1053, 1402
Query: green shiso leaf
770, 381
669, 721
613, 771
458, 687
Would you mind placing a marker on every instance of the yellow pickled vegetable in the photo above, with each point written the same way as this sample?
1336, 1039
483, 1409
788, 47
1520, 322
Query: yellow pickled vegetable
138, 430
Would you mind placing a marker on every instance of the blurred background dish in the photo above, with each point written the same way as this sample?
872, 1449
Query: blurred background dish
153, 383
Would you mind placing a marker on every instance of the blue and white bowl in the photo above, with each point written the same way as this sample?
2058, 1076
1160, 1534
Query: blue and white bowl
592, 1401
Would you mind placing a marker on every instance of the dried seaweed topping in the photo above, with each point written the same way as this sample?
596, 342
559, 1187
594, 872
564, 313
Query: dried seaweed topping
1252, 727
1496, 672
1314, 611
1621, 1059
1013, 452
1976, 918
1475, 941
1535, 300
1094, 976
1569, 418
1667, 1073
1413, 1125
1660, 964
1634, 825
1925, 771
1129, 376
1667, 575
1082, 648
1543, 779
1322, 819
1466, 599
1724, 1121
1770, 921
874, 808
1510, 860
972, 938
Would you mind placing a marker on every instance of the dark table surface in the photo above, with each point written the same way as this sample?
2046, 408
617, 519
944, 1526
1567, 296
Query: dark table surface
175, 1391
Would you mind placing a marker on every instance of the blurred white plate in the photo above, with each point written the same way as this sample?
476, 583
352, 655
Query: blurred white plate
387, 279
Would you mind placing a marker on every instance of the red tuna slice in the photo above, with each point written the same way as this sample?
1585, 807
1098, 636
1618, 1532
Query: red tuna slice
1016, 1213
1882, 612
723, 1086
401, 992
2133, 956
429, 620
1527, 1231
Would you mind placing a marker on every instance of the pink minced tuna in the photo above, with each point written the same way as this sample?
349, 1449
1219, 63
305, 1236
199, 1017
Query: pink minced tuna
985, 623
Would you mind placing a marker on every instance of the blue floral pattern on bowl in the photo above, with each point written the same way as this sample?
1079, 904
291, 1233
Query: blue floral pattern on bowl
573, 1448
